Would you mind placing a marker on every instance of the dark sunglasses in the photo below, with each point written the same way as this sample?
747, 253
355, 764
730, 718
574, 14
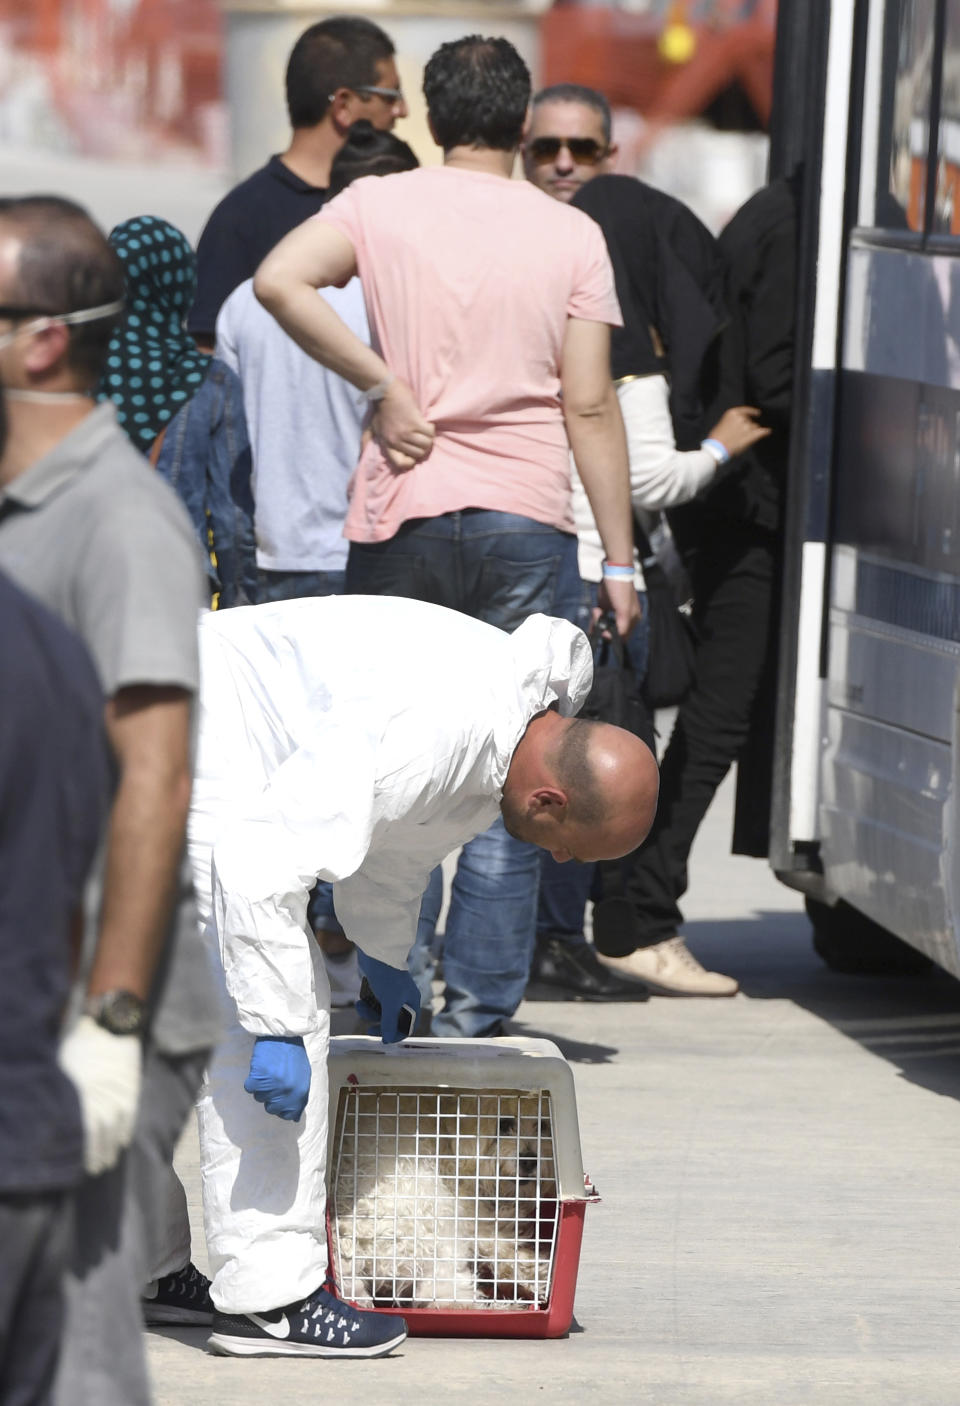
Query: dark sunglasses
586, 151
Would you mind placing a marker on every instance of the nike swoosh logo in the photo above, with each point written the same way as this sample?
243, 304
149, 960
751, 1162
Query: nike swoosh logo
278, 1328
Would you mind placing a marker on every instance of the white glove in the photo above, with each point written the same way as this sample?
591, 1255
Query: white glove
106, 1071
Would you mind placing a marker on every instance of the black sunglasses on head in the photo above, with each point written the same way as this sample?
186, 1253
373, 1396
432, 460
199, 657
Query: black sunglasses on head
585, 150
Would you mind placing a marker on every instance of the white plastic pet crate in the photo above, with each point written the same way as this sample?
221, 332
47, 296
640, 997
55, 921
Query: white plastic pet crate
456, 1191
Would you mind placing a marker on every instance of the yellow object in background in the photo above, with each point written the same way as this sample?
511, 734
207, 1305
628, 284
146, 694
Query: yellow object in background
677, 43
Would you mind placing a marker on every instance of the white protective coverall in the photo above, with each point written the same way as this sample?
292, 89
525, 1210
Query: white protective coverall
357, 739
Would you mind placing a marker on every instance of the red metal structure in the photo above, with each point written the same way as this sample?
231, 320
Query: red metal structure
629, 57
123, 78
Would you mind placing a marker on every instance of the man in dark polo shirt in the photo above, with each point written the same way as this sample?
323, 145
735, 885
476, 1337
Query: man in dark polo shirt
54, 784
339, 71
102, 541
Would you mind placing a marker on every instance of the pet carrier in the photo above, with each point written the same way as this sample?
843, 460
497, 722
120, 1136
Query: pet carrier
456, 1191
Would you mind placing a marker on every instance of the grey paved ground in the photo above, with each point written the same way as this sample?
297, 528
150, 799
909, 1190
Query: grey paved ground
780, 1223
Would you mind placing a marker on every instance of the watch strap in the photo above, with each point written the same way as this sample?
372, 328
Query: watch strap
120, 1012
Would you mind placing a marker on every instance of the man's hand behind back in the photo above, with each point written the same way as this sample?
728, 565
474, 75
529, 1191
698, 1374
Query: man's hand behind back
405, 437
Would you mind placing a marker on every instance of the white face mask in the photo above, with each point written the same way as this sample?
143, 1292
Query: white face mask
40, 324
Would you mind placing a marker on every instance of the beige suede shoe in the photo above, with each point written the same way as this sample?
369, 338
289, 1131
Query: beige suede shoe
670, 969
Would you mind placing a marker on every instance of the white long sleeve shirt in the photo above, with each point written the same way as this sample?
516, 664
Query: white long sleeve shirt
661, 475
355, 739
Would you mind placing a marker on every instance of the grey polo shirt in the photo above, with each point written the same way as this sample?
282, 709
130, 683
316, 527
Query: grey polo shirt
103, 542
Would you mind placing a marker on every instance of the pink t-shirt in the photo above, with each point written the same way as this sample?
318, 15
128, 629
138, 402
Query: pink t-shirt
469, 280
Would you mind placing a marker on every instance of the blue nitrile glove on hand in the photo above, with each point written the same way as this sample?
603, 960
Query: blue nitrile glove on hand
399, 999
279, 1075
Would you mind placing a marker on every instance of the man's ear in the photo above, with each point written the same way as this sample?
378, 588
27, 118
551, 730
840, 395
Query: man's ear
525, 130
549, 800
340, 110
46, 350
610, 160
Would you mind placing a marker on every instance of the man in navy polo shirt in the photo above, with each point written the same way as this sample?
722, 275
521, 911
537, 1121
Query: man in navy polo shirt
339, 71
53, 800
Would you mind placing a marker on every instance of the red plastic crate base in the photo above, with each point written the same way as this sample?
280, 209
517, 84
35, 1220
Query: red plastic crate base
551, 1320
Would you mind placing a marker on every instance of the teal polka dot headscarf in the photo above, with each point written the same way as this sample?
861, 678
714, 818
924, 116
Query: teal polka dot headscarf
153, 366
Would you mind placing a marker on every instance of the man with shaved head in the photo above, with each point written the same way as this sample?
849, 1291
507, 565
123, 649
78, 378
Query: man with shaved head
579, 789
334, 746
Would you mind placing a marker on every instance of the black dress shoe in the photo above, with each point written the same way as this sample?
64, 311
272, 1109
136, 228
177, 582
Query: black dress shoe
576, 971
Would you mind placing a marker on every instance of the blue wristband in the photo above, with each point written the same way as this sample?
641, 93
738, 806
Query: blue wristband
617, 573
718, 451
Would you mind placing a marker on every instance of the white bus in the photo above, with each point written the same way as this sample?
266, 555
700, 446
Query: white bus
866, 799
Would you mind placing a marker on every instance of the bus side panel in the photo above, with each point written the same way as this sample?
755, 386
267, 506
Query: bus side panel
888, 809
888, 770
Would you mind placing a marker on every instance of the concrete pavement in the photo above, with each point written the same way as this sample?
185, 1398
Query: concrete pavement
780, 1223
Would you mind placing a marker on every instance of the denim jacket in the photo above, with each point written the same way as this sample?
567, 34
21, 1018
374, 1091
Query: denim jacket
205, 456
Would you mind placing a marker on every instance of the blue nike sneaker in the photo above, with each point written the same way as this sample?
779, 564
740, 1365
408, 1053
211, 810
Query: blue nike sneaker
321, 1325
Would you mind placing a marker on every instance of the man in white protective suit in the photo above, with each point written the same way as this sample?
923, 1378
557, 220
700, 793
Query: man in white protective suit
358, 740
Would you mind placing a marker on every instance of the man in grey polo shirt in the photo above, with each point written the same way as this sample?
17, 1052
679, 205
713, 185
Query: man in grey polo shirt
90, 530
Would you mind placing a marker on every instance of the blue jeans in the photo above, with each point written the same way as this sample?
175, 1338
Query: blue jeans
292, 585
424, 953
500, 568
205, 455
565, 888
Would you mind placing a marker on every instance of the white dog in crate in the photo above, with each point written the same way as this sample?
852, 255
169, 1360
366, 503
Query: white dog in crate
444, 1200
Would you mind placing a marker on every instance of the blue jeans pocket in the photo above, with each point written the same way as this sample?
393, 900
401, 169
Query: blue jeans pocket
374, 572
509, 591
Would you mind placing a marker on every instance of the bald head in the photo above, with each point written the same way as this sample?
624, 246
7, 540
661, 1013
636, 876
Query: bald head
617, 796
583, 790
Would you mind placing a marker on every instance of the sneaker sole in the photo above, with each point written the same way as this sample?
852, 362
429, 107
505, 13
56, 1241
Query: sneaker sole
224, 1345
164, 1316
680, 992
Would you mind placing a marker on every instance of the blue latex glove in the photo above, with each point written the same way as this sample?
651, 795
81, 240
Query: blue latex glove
399, 999
279, 1075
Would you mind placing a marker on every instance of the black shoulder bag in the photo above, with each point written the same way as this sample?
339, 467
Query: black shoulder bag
671, 658
615, 696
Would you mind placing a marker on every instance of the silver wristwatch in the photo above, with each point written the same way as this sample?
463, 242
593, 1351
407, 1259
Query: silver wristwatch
120, 1012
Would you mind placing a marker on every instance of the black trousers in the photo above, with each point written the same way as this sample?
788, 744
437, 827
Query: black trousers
735, 577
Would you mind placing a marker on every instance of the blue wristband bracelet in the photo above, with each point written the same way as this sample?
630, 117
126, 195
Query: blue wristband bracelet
719, 451
617, 573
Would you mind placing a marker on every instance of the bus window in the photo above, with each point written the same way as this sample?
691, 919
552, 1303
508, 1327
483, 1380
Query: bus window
946, 210
902, 175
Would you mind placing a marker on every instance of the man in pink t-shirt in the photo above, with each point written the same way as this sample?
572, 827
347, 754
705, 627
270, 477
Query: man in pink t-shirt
491, 307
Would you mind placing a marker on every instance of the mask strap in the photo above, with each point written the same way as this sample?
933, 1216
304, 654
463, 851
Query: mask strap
40, 324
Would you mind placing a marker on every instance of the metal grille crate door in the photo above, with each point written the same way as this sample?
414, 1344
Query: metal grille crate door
456, 1186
